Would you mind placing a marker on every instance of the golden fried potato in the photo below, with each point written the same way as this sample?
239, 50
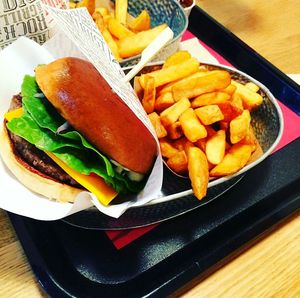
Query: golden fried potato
239, 127
166, 148
215, 147
141, 23
212, 81
177, 58
135, 44
178, 162
198, 171
191, 126
209, 114
159, 128
236, 158
171, 114
173, 73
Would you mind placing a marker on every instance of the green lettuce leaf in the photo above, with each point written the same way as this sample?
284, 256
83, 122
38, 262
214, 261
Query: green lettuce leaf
39, 124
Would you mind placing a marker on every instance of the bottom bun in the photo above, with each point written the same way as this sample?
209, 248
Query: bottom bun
30, 177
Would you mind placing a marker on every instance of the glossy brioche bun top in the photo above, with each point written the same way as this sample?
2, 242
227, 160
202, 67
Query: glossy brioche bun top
84, 99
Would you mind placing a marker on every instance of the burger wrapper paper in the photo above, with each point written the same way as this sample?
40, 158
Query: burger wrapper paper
21, 58
27, 18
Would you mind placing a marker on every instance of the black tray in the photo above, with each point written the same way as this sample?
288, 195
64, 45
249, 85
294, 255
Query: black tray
73, 262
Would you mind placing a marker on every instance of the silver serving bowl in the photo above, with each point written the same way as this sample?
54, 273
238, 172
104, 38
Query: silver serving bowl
176, 194
160, 11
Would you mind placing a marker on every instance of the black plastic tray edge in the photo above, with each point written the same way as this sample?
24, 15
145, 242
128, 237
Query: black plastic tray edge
194, 269
201, 268
251, 224
225, 43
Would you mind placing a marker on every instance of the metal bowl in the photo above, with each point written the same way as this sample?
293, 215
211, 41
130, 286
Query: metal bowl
161, 11
177, 197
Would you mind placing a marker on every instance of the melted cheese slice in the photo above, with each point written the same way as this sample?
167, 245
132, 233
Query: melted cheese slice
13, 114
93, 183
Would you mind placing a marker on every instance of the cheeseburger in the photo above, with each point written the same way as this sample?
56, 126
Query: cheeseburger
68, 131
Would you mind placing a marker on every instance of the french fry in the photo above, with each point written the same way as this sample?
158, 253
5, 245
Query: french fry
252, 86
72, 5
212, 81
209, 114
173, 73
210, 98
215, 147
178, 162
177, 58
102, 10
191, 126
229, 89
201, 143
169, 86
174, 130
171, 114
257, 151
236, 158
198, 171
210, 130
251, 99
237, 101
183, 144
250, 139
138, 88
141, 23
135, 44
98, 18
206, 117
148, 100
164, 101
159, 128
106, 35
166, 148
229, 110
121, 11
239, 127
117, 29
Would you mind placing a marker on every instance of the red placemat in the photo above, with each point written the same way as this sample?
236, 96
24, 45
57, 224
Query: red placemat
121, 238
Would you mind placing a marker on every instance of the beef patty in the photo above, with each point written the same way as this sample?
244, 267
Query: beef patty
35, 157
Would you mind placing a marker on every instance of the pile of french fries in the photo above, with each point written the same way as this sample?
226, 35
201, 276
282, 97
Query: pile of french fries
201, 118
125, 35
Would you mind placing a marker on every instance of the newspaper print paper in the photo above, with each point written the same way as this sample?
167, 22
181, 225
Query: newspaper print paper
79, 27
26, 18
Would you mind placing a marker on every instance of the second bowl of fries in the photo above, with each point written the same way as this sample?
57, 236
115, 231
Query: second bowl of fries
129, 26
213, 122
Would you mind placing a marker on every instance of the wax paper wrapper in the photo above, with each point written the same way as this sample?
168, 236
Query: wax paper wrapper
21, 58
27, 18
